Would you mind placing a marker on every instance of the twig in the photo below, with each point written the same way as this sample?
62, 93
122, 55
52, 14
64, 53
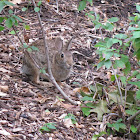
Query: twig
118, 84
133, 117
48, 61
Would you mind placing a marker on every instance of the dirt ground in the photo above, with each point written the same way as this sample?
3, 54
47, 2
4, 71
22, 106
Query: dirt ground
24, 107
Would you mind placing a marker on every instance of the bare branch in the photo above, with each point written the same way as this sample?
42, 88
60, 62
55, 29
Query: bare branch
133, 117
48, 61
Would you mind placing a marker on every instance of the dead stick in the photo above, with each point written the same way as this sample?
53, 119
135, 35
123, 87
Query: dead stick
48, 61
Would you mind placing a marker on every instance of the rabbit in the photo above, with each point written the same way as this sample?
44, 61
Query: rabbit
60, 56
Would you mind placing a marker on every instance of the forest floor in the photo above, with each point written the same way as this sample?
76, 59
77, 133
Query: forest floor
24, 107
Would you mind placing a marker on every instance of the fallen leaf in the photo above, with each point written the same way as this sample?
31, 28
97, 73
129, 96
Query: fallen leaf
16, 1
68, 123
4, 132
2, 94
4, 88
100, 109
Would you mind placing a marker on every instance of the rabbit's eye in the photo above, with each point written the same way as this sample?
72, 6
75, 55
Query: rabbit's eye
62, 55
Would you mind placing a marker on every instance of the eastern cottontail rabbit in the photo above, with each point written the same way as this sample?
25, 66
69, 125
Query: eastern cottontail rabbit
60, 59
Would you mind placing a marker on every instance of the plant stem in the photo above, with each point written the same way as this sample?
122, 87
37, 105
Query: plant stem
48, 61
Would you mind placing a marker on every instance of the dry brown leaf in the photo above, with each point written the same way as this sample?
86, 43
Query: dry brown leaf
4, 88
68, 123
79, 125
83, 89
15, 1
4, 132
2, 94
5, 70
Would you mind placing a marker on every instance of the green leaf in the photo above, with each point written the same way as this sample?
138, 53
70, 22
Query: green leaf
24, 9
44, 128
130, 112
119, 64
51, 125
138, 95
138, 7
113, 19
34, 48
100, 109
90, 1
121, 36
135, 83
89, 104
127, 68
27, 27
100, 64
138, 76
109, 43
25, 45
18, 18
12, 32
1, 28
108, 55
8, 3
114, 40
37, 9
95, 137
39, 3
124, 58
11, 11
2, 4
9, 23
108, 26
29, 49
123, 80
108, 64
72, 117
86, 98
82, 5
86, 111
1, 19
43, 71
133, 129
133, 29
136, 34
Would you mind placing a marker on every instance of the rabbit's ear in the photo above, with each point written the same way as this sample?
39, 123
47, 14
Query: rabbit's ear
59, 44
68, 45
